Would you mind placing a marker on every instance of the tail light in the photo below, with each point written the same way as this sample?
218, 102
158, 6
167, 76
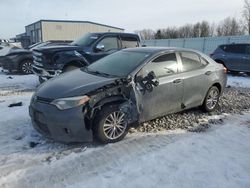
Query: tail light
225, 69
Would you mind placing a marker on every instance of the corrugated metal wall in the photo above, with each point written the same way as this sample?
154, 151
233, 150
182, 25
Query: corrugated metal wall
71, 31
206, 45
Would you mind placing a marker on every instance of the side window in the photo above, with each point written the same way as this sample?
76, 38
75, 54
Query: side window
110, 43
190, 61
162, 66
129, 42
238, 49
203, 61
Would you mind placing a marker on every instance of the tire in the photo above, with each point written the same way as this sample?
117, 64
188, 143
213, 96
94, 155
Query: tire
211, 100
25, 67
70, 68
105, 131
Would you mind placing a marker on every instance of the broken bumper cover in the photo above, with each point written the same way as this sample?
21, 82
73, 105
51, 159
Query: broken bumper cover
8, 63
60, 125
46, 74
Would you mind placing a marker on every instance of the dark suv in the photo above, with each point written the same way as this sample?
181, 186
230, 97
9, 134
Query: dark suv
52, 61
235, 57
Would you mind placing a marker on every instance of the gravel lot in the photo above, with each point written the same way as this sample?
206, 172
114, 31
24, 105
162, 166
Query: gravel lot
233, 101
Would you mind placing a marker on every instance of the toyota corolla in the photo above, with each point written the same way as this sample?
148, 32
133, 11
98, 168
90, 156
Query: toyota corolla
124, 89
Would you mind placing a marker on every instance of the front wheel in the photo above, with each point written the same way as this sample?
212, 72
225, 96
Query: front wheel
26, 67
110, 125
212, 99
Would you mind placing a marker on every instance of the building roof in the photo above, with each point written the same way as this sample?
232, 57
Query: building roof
75, 21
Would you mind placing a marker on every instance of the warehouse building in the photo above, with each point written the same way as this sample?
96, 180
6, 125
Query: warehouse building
63, 30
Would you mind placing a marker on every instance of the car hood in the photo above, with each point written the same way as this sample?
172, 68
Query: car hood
74, 83
58, 48
18, 51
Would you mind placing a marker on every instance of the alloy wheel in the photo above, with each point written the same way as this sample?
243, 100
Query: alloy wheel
212, 98
114, 125
26, 67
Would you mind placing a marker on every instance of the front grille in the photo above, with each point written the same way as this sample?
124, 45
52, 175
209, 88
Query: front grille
44, 100
40, 122
42, 127
37, 58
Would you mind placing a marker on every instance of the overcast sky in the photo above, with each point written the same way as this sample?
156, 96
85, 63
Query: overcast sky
128, 14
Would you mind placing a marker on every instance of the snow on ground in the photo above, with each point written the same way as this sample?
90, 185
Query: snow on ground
10, 83
238, 81
219, 157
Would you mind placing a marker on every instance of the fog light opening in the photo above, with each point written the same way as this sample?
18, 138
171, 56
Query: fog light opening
67, 131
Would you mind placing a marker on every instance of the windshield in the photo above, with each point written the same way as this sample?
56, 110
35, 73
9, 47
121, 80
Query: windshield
86, 40
118, 64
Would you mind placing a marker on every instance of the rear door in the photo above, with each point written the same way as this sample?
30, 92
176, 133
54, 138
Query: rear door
247, 59
235, 56
164, 98
195, 78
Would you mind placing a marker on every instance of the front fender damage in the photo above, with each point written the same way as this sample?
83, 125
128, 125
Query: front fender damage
120, 92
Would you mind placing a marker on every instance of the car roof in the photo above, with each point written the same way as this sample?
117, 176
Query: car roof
235, 44
155, 50
115, 33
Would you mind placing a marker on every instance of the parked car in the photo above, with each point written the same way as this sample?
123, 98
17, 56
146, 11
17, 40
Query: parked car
52, 61
20, 60
235, 57
123, 89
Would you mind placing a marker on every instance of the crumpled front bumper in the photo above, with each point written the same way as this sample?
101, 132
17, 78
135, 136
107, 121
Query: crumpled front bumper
60, 125
46, 74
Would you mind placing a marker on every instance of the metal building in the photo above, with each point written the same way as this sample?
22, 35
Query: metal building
65, 30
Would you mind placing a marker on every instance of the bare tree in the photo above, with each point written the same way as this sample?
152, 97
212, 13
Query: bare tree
186, 31
246, 15
146, 34
229, 27
204, 29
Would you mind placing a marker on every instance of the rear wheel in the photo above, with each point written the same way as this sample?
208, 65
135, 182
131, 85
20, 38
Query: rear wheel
26, 67
212, 99
110, 125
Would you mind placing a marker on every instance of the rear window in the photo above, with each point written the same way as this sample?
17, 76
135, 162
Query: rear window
190, 61
239, 49
129, 42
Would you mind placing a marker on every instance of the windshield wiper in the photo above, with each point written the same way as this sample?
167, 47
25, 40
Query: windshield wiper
97, 72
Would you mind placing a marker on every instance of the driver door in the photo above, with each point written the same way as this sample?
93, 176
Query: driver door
167, 96
110, 45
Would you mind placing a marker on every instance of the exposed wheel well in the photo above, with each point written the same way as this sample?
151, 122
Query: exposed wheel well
98, 107
220, 61
218, 86
75, 64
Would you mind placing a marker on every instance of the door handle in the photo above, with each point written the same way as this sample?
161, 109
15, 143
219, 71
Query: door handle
177, 81
208, 73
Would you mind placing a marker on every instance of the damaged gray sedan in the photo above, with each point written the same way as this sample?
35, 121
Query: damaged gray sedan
125, 89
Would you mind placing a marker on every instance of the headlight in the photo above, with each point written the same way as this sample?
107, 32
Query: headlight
71, 102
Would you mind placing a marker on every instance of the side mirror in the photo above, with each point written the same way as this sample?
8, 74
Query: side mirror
148, 82
100, 47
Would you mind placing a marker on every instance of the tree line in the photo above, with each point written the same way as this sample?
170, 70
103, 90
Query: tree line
230, 26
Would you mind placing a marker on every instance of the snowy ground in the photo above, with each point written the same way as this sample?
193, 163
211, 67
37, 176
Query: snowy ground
218, 157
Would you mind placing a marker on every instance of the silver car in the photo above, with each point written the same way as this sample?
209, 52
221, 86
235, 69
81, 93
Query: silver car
126, 88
